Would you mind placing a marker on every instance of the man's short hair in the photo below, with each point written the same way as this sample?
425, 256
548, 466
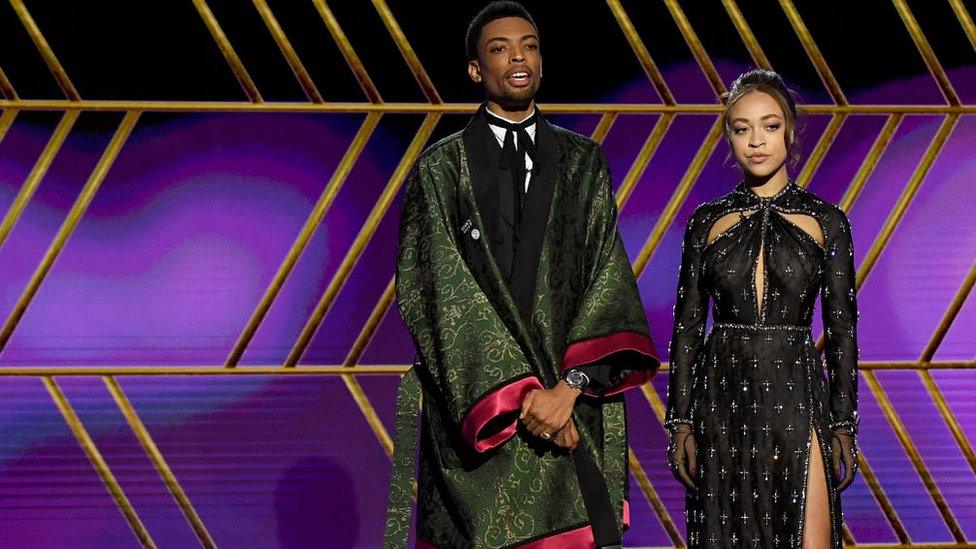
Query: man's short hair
492, 12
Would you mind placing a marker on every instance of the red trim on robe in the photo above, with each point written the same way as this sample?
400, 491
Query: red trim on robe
580, 538
585, 353
504, 400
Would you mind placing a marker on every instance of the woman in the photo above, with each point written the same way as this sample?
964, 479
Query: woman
755, 427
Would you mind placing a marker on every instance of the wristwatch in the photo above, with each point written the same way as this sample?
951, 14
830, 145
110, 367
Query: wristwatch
576, 379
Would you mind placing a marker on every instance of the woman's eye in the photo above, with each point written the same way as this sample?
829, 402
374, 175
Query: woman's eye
738, 131
772, 127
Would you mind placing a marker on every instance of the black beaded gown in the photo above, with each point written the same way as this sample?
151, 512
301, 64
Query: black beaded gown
754, 387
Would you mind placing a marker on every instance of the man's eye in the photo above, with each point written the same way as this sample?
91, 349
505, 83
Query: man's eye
497, 49
531, 46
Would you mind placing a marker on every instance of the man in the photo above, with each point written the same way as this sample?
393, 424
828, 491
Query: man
513, 281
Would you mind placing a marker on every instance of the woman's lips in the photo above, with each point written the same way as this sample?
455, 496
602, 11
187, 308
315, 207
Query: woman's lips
758, 158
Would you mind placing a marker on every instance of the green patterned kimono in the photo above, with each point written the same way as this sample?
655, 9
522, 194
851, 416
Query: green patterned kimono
484, 340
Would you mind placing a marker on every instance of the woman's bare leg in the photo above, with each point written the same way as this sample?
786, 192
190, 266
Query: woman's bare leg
816, 530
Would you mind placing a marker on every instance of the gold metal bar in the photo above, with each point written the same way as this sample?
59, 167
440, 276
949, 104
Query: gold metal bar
643, 158
6, 88
637, 44
696, 47
88, 445
37, 174
165, 473
6, 121
654, 401
143, 370
965, 20
946, 412
897, 526
603, 127
898, 212
296, 65
365, 335
372, 323
365, 234
906, 442
77, 210
870, 161
813, 52
678, 198
654, 500
406, 50
304, 236
924, 48
949, 316
847, 535
820, 150
749, 39
348, 53
250, 89
336, 369
452, 108
45, 50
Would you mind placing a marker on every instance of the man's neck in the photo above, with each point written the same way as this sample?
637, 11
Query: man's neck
512, 114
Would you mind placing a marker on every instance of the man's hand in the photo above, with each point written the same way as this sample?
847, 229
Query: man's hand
545, 412
567, 437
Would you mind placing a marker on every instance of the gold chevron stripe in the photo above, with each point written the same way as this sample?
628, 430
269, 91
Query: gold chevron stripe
965, 20
348, 53
444, 108
365, 234
296, 65
640, 50
647, 151
696, 47
654, 499
6, 121
898, 212
6, 88
603, 127
924, 48
338, 369
37, 174
870, 162
813, 52
678, 198
749, 39
406, 50
88, 445
914, 456
883, 501
250, 89
79, 207
45, 50
312, 223
152, 451
818, 153
372, 323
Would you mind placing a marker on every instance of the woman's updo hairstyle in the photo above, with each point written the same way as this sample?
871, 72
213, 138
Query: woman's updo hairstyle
770, 83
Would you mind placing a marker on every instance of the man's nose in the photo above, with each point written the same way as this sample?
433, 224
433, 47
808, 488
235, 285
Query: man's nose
518, 56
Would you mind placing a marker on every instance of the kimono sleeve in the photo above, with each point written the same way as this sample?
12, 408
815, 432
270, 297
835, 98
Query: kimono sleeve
609, 334
838, 297
469, 361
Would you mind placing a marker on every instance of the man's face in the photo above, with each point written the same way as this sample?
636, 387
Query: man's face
509, 63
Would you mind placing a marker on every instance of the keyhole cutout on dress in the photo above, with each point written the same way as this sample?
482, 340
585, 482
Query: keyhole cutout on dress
806, 224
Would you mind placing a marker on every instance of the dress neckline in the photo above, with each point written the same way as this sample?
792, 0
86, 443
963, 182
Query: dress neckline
746, 190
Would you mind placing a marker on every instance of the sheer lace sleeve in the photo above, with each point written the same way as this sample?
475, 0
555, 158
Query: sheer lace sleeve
839, 307
690, 309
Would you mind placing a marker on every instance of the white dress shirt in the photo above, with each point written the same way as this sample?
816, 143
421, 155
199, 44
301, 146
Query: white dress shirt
500, 136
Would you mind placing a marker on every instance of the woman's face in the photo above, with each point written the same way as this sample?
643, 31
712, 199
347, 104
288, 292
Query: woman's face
757, 133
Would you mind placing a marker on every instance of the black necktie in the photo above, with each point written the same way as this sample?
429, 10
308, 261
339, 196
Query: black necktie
513, 159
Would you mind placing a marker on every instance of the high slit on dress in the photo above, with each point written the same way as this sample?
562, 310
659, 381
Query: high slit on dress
754, 387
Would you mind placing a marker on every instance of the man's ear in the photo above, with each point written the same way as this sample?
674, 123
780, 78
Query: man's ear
474, 70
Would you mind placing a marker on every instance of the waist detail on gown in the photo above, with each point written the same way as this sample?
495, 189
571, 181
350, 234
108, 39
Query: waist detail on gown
760, 327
